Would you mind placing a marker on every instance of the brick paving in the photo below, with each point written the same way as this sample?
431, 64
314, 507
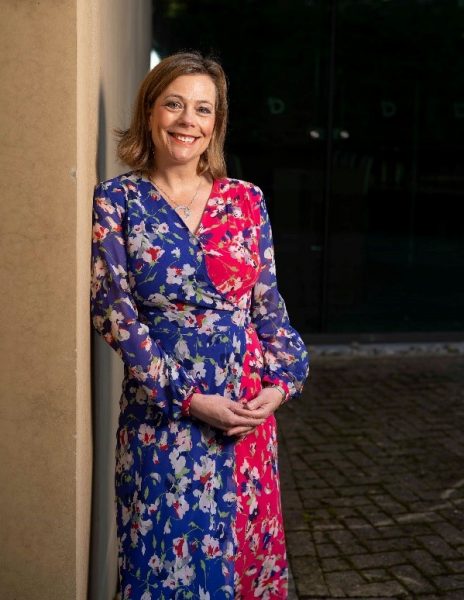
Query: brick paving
372, 472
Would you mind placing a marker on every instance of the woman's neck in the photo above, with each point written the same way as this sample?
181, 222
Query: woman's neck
176, 176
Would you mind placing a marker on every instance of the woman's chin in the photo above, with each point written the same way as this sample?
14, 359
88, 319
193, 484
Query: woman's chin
182, 159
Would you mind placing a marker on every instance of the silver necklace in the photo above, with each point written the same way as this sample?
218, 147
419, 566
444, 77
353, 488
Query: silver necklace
185, 208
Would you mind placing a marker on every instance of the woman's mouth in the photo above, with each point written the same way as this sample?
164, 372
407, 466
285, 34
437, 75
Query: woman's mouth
184, 139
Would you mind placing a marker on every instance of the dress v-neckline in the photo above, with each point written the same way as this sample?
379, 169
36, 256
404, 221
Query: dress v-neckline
194, 238
198, 230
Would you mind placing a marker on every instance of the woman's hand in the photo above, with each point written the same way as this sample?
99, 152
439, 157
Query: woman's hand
262, 406
223, 413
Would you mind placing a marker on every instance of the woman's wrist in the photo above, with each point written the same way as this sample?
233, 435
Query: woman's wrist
187, 403
194, 399
280, 389
279, 384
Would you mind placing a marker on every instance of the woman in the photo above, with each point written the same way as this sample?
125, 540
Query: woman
184, 289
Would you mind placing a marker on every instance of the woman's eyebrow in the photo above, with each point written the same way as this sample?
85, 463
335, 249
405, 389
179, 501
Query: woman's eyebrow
182, 98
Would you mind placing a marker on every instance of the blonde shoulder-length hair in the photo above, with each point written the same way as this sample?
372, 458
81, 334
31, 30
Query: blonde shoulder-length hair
135, 145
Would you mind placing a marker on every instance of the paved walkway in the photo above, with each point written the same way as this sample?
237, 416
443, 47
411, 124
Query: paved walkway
372, 472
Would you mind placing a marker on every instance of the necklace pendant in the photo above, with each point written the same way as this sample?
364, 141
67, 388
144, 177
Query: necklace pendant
185, 210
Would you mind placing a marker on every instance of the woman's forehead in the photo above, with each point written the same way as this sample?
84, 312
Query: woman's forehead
195, 87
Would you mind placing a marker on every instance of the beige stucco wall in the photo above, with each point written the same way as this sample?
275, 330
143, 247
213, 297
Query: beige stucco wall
54, 55
39, 328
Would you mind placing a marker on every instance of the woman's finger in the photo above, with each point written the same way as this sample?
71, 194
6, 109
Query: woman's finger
256, 402
240, 431
246, 421
239, 410
260, 413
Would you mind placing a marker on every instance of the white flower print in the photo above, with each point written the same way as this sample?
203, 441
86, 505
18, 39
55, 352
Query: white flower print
188, 288
174, 275
104, 205
204, 595
179, 503
167, 526
204, 470
230, 497
120, 271
126, 514
136, 238
99, 233
182, 350
199, 370
178, 461
162, 228
180, 547
116, 317
155, 563
99, 272
184, 441
146, 434
152, 508
207, 322
152, 254
220, 374
210, 547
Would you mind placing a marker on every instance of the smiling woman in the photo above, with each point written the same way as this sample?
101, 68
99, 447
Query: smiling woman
182, 120
184, 289
136, 143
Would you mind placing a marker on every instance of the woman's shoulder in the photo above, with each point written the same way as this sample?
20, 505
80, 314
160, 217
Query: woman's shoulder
119, 182
241, 187
116, 190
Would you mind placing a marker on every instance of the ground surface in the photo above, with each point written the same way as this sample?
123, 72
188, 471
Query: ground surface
372, 472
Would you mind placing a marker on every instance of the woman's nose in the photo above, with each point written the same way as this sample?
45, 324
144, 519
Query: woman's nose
187, 116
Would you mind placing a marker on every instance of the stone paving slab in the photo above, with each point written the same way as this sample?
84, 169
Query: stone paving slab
372, 474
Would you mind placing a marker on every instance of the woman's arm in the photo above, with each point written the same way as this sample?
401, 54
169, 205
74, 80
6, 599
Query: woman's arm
286, 360
114, 312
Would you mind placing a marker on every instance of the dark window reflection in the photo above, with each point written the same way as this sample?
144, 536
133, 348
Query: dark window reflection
377, 245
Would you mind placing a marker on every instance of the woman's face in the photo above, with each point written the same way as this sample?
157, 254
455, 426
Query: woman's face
182, 120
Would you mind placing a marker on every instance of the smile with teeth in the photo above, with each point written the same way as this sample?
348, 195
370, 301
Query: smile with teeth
186, 139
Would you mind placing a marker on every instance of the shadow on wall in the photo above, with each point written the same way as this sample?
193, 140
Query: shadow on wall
103, 545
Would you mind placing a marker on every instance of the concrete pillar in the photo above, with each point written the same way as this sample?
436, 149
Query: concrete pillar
68, 77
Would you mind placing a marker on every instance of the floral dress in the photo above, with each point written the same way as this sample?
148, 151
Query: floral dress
198, 512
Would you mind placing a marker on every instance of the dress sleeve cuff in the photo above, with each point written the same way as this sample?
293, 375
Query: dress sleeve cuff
187, 401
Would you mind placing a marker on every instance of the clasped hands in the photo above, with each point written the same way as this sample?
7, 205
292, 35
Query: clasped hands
235, 418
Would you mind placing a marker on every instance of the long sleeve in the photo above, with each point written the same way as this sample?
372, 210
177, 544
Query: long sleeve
286, 360
114, 311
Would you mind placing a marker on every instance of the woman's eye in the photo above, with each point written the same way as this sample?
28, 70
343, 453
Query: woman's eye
173, 104
205, 110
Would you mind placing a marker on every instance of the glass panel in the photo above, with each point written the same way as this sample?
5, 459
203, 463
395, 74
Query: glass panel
392, 212
396, 230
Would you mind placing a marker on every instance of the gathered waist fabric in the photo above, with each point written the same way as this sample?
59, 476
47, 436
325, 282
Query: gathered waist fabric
209, 344
202, 320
